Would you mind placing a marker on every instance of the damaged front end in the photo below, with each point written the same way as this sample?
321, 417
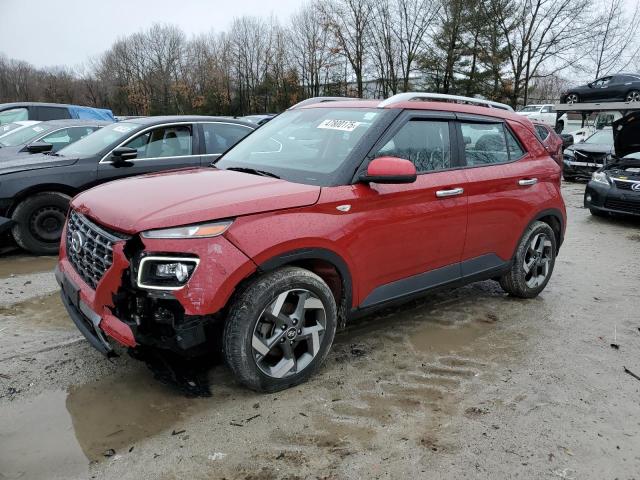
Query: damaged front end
147, 294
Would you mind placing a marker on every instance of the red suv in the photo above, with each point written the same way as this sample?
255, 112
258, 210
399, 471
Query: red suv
330, 210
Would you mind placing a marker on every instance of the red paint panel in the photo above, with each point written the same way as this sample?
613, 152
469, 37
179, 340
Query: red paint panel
117, 329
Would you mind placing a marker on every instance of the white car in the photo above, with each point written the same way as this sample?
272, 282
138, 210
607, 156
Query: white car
543, 113
603, 119
15, 126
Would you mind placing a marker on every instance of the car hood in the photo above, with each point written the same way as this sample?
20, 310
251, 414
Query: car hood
9, 151
183, 197
591, 148
25, 162
626, 134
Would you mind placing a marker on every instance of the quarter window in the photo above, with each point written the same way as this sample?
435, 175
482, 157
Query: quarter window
423, 142
542, 132
220, 137
489, 143
162, 142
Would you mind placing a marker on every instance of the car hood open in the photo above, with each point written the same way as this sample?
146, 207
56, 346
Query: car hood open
22, 163
183, 197
626, 134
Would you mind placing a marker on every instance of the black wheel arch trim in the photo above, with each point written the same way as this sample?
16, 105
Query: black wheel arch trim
315, 253
550, 212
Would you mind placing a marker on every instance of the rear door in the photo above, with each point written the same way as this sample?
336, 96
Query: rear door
411, 236
506, 185
218, 137
159, 148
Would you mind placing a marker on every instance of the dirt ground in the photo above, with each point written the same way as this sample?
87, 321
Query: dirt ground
466, 383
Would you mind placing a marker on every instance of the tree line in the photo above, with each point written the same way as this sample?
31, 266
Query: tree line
513, 51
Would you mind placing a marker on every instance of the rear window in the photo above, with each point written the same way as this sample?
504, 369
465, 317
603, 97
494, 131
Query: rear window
14, 115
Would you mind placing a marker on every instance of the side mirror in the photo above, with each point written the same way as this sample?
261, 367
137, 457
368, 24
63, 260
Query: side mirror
123, 154
39, 147
390, 170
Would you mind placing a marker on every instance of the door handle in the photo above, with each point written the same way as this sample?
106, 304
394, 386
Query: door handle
449, 193
525, 182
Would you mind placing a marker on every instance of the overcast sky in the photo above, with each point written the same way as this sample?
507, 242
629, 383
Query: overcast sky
68, 32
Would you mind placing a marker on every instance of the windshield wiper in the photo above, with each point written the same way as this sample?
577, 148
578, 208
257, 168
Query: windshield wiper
253, 171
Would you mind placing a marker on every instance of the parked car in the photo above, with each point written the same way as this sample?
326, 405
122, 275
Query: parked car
601, 120
45, 137
13, 112
326, 212
582, 159
35, 191
544, 114
259, 119
622, 87
615, 188
13, 126
551, 141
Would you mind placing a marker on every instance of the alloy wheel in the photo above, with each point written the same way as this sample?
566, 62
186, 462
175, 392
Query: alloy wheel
573, 98
633, 96
288, 333
537, 260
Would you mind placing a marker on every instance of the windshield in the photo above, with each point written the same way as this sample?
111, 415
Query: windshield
23, 135
603, 137
9, 127
531, 108
98, 141
304, 146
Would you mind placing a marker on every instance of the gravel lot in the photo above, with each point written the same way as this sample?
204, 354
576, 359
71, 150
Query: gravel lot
466, 383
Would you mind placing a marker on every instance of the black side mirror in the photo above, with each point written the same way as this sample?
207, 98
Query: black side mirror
39, 147
122, 155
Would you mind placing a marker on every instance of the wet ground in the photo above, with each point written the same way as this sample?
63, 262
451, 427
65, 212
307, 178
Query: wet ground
466, 383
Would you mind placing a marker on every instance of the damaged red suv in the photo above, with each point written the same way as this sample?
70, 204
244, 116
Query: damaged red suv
330, 210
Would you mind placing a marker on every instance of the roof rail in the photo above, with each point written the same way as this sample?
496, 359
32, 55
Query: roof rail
442, 97
313, 100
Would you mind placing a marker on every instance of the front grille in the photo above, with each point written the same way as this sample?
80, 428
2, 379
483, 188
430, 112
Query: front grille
624, 185
90, 247
629, 206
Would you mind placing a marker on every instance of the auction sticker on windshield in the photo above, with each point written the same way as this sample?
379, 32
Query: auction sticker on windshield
342, 125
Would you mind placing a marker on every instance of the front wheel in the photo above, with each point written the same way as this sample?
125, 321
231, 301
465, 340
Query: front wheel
633, 96
533, 263
39, 220
573, 98
280, 329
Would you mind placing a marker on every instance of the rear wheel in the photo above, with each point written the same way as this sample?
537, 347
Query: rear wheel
39, 220
533, 263
573, 98
633, 96
280, 329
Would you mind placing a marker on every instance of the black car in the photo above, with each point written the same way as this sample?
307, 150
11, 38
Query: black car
622, 87
13, 112
615, 188
35, 191
580, 160
46, 136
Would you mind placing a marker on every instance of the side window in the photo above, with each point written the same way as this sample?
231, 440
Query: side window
66, 136
52, 113
170, 141
14, 115
484, 143
515, 150
424, 142
547, 109
542, 132
220, 137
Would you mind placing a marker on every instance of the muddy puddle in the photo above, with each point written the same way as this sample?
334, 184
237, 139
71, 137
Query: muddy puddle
63, 432
22, 264
40, 312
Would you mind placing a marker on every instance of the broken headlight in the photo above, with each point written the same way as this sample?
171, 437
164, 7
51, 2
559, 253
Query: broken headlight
202, 230
165, 273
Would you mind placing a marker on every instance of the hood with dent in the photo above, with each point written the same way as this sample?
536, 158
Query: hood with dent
626, 134
22, 163
188, 196
591, 148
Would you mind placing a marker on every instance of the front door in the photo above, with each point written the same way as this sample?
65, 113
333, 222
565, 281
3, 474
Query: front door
410, 237
159, 148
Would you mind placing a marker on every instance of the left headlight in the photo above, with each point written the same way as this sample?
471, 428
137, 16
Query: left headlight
600, 177
165, 273
202, 230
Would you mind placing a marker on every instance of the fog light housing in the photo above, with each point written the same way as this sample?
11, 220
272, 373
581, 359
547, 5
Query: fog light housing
165, 273
588, 198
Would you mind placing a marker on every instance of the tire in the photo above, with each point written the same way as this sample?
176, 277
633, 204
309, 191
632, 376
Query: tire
573, 98
633, 96
537, 251
39, 220
255, 342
